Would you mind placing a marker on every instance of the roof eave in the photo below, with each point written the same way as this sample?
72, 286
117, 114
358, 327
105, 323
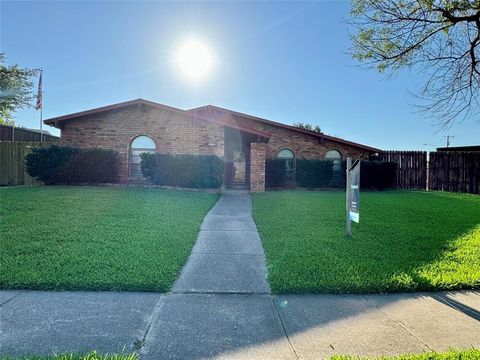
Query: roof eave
290, 127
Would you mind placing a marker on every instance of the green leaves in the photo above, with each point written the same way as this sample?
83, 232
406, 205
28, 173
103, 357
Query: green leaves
436, 38
15, 89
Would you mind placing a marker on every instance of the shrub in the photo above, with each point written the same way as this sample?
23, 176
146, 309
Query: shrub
314, 173
320, 173
91, 166
275, 172
45, 163
378, 175
68, 165
189, 171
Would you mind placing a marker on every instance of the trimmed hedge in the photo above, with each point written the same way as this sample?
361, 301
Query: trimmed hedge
275, 172
69, 165
188, 171
378, 175
320, 174
314, 173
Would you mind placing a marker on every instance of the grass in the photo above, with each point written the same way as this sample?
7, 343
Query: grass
97, 238
406, 241
471, 354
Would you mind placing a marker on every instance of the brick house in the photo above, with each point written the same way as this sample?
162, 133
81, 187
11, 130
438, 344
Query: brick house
243, 141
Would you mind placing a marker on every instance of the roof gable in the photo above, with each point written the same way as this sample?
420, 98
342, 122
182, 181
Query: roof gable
227, 115
56, 121
208, 113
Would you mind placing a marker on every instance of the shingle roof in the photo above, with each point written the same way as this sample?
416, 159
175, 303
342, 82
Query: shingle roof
209, 113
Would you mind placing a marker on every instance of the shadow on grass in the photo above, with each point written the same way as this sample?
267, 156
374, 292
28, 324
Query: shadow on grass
406, 241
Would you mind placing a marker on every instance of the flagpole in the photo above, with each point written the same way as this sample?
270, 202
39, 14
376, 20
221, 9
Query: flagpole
41, 105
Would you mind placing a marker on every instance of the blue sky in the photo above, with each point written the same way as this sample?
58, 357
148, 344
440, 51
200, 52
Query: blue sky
284, 61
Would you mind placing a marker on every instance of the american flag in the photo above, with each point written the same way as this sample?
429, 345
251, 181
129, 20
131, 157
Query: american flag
38, 106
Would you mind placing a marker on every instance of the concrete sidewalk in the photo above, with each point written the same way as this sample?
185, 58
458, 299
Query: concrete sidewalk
221, 308
235, 326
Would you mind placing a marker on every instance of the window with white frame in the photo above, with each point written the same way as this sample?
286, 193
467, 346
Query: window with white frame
141, 144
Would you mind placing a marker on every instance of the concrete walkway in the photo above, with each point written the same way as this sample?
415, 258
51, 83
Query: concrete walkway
220, 308
228, 255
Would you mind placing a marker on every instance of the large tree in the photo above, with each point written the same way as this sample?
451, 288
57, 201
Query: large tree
438, 38
16, 89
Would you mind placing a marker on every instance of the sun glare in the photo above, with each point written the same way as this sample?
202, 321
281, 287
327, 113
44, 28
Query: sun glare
194, 59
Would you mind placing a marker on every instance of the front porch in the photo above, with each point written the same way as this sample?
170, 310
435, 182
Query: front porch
244, 159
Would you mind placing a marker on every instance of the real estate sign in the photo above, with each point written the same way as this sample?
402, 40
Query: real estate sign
352, 193
354, 208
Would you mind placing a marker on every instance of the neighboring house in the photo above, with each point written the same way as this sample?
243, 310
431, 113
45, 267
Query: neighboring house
13, 133
243, 141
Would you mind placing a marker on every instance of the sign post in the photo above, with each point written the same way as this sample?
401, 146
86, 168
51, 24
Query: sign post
352, 194
348, 224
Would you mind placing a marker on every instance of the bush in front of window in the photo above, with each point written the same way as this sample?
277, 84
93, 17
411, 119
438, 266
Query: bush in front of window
314, 173
187, 171
68, 165
275, 172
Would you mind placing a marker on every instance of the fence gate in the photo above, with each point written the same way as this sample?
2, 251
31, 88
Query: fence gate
411, 169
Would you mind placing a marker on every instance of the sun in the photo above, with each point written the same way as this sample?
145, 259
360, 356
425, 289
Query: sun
194, 59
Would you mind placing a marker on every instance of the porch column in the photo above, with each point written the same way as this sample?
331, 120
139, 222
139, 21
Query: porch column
257, 167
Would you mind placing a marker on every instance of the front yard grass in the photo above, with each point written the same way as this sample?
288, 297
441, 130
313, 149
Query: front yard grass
406, 241
470, 354
97, 238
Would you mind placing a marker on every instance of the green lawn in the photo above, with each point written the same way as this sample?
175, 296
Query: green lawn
471, 354
97, 237
406, 241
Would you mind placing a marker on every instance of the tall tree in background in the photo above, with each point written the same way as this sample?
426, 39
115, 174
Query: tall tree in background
15, 90
439, 38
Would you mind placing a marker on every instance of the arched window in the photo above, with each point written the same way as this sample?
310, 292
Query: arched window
289, 157
141, 144
285, 154
336, 157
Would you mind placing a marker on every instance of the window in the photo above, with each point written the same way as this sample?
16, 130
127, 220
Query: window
336, 157
289, 157
141, 144
285, 154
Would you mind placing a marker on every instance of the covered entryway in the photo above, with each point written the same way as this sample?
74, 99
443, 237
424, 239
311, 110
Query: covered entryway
238, 158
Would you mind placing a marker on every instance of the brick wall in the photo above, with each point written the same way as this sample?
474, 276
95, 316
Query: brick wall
172, 132
257, 174
304, 146
177, 133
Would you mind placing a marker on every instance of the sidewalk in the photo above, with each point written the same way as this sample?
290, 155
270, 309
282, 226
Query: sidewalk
221, 307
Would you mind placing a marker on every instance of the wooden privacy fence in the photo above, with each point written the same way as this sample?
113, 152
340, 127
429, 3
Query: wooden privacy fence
456, 171
411, 169
12, 133
12, 162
